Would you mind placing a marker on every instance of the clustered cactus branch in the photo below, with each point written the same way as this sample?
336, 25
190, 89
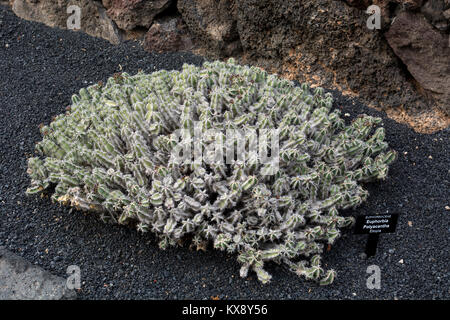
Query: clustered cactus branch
111, 153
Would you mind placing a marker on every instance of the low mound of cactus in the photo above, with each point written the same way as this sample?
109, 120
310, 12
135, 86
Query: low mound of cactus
112, 152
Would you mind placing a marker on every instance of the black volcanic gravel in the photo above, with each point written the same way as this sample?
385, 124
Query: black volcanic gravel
42, 67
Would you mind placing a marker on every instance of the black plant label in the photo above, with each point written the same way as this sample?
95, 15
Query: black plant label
376, 224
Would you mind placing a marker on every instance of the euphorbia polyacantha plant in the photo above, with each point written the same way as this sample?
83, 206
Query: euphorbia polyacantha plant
112, 153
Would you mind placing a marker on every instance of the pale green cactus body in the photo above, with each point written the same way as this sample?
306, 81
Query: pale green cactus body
112, 153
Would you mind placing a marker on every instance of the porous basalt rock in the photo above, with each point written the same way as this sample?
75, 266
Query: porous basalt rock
94, 20
425, 53
168, 34
129, 14
213, 22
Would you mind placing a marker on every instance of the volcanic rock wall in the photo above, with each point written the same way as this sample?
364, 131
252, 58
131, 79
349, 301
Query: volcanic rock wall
402, 67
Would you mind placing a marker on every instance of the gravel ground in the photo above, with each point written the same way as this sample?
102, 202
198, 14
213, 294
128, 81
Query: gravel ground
39, 71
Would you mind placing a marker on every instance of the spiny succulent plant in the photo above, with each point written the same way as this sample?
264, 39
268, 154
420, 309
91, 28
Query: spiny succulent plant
112, 152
